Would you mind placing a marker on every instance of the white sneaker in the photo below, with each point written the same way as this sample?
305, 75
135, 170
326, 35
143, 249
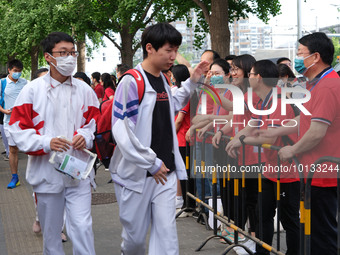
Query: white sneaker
179, 202
183, 214
250, 244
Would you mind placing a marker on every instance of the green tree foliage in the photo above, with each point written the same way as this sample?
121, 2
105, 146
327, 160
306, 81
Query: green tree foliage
336, 44
127, 17
24, 23
215, 15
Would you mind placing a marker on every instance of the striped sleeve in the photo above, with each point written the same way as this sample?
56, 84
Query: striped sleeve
126, 101
25, 126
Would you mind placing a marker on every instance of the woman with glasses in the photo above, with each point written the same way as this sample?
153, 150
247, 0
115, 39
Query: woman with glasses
240, 68
218, 74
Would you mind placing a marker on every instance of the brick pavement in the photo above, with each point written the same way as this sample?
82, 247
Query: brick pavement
17, 214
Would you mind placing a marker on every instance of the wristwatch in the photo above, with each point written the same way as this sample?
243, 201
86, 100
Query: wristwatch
241, 138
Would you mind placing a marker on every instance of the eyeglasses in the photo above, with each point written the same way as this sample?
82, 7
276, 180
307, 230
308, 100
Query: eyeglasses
217, 73
234, 70
67, 53
251, 74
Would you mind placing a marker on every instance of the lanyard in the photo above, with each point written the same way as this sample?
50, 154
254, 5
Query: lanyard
219, 108
323, 75
266, 100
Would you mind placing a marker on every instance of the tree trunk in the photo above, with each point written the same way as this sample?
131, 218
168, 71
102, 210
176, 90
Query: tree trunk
81, 57
126, 51
34, 60
219, 27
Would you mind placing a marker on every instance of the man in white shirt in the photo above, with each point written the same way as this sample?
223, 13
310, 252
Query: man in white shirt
50, 107
13, 86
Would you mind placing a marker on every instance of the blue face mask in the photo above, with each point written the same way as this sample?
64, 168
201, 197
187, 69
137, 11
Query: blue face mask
16, 76
217, 79
299, 64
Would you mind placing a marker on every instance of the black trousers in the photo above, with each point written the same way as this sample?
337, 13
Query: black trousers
323, 220
289, 203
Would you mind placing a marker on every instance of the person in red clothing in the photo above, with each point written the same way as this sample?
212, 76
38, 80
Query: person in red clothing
318, 134
97, 86
263, 79
109, 86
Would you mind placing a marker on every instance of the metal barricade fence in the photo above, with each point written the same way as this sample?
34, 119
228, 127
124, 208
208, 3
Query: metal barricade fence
308, 212
226, 189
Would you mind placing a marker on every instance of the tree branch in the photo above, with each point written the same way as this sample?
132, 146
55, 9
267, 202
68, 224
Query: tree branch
204, 8
147, 8
151, 17
108, 37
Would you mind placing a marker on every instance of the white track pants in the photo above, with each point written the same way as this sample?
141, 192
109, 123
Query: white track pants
155, 205
77, 204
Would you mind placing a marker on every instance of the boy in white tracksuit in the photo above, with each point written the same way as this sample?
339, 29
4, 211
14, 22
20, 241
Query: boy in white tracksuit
146, 161
51, 106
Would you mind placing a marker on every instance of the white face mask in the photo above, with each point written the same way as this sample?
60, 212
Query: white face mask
65, 65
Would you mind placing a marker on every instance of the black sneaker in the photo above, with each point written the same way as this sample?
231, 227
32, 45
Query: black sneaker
195, 214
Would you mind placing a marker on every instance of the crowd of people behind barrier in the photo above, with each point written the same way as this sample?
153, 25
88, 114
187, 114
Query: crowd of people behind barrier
150, 140
307, 135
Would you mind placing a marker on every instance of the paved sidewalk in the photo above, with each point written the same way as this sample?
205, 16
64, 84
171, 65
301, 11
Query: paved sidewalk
17, 215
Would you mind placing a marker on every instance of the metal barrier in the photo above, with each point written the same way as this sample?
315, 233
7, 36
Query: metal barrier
231, 224
187, 167
228, 221
307, 212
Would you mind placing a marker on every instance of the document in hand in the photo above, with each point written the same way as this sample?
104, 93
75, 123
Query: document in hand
75, 163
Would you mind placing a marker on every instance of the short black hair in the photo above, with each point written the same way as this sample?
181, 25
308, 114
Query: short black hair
268, 71
107, 81
319, 42
158, 35
282, 59
53, 38
122, 68
82, 76
223, 64
215, 54
229, 57
285, 70
39, 71
15, 63
181, 73
96, 76
244, 62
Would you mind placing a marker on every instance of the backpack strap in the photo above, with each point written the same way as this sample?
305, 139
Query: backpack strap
167, 79
139, 80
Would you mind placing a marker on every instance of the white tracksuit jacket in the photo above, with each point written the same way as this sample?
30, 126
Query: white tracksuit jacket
132, 127
33, 121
